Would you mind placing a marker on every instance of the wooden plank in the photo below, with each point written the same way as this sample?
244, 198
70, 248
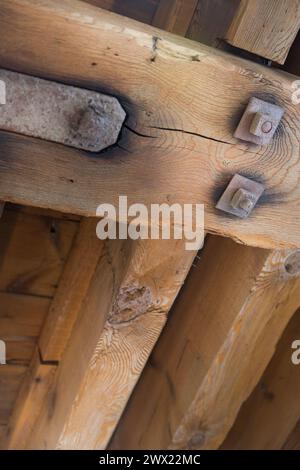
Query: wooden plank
19, 350
213, 350
3, 431
164, 82
124, 312
72, 289
141, 11
265, 28
30, 401
273, 409
10, 381
175, 15
293, 441
33, 251
22, 315
211, 21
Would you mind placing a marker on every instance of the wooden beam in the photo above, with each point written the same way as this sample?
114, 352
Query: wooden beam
10, 380
213, 350
272, 411
125, 309
30, 401
71, 292
185, 151
293, 441
175, 15
211, 21
136, 9
265, 28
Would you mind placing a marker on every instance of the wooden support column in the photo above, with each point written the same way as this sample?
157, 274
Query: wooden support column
125, 309
220, 336
266, 28
183, 100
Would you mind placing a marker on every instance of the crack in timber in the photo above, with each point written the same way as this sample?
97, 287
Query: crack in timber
190, 133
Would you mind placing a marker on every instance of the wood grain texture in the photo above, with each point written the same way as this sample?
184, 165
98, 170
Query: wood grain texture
124, 312
71, 291
22, 315
10, 381
272, 411
139, 10
265, 28
211, 21
184, 100
293, 440
175, 15
30, 401
220, 336
33, 251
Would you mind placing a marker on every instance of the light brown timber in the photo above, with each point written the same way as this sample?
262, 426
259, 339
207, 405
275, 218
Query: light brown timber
272, 411
71, 291
126, 307
266, 28
220, 336
185, 152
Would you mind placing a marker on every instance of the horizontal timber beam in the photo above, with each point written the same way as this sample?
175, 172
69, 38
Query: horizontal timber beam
183, 102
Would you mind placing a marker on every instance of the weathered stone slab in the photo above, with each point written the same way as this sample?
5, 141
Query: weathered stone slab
60, 113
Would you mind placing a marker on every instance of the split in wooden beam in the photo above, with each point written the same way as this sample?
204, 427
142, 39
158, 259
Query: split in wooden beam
183, 101
266, 28
213, 350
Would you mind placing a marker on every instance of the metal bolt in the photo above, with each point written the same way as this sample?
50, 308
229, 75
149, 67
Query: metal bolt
259, 122
243, 199
267, 127
240, 196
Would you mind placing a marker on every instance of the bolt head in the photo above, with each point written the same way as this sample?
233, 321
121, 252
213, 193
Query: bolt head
266, 127
259, 122
240, 196
243, 199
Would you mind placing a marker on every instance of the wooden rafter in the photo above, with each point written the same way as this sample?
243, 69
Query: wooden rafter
266, 28
213, 350
124, 311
